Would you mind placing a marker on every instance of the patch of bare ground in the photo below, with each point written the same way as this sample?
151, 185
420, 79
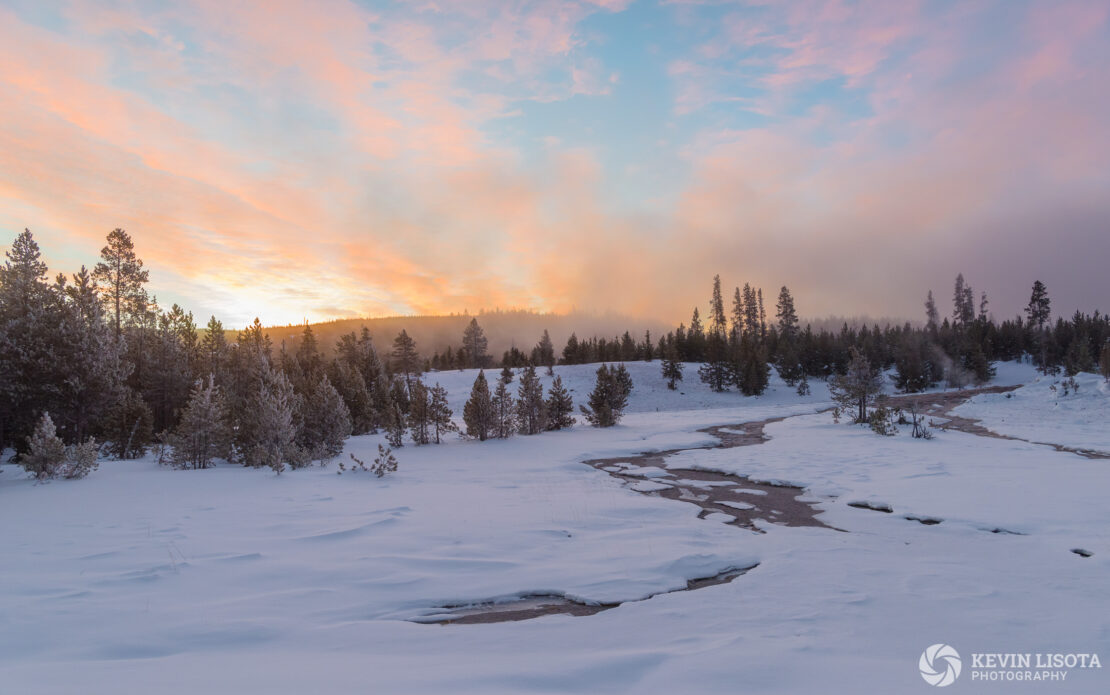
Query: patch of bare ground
940, 405
745, 500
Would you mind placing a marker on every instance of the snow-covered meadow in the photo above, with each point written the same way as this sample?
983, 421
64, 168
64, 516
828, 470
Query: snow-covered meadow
141, 579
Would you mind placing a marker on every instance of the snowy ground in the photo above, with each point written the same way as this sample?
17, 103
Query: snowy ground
144, 580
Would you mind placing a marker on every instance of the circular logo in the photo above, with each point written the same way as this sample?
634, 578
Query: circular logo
940, 665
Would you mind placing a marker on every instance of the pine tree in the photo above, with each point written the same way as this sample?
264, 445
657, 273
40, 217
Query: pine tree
506, 374
531, 410
787, 357
750, 371
502, 409
31, 318
608, 399
420, 414
128, 427
203, 434
440, 415
396, 414
545, 353
932, 316
963, 303
214, 352
1038, 312
349, 383
695, 339
715, 371
559, 405
1104, 362
121, 277
857, 388
475, 344
325, 422
478, 411
267, 433
405, 358
46, 452
672, 367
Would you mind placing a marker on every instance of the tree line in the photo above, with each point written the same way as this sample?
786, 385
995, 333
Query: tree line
96, 355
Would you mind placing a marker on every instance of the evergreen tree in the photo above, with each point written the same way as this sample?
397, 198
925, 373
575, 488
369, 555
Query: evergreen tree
963, 303
1038, 312
932, 316
750, 371
46, 452
570, 351
787, 353
857, 388
559, 406
440, 415
715, 371
608, 399
396, 414
475, 344
405, 358
478, 411
695, 339
531, 410
120, 276
348, 381
672, 367
325, 421
267, 433
31, 317
128, 427
203, 434
507, 374
420, 414
545, 353
214, 352
1104, 362
502, 409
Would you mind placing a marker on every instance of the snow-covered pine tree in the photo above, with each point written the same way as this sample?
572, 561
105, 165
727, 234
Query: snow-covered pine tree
203, 433
531, 410
478, 411
267, 433
440, 415
857, 388
349, 383
46, 452
325, 420
475, 345
502, 407
559, 405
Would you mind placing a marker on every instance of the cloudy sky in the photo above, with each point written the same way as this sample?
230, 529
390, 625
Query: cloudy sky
334, 158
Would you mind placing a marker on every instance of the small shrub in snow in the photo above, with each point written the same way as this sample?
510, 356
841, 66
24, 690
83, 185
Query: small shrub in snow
48, 457
859, 387
881, 421
385, 462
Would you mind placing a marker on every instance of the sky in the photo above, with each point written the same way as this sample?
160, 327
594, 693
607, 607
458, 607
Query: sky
325, 159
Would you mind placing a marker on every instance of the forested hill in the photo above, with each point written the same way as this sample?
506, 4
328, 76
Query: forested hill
503, 329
